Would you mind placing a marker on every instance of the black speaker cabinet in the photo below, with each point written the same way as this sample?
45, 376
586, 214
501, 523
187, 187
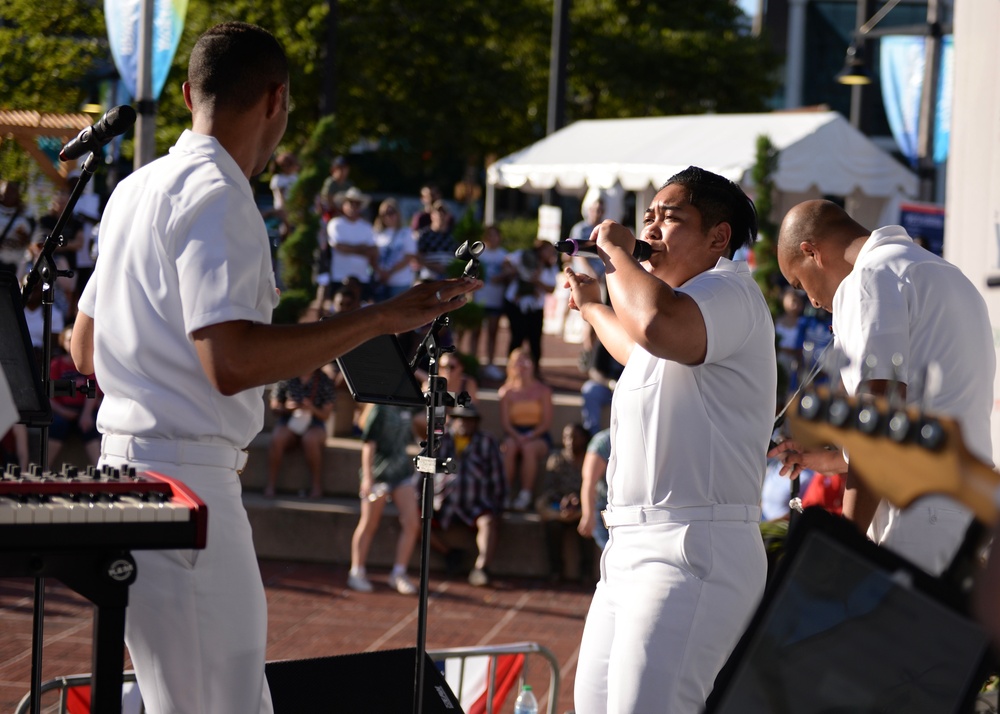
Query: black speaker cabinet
363, 683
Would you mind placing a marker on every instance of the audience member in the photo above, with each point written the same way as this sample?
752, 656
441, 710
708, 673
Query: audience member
36, 323
352, 242
474, 493
593, 214
15, 228
436, 245
72, 413
64, 257
386, 472
532, 274
345, 409
397, 252
87, 212
594, 489
525, 416
789, 328
302, 405
429, 195
491, 262
336, 183
559, 504
602, 378
281, 184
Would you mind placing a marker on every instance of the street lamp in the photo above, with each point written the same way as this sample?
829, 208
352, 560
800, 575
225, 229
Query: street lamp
854, 72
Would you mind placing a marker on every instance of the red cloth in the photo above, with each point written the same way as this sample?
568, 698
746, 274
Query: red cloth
826, 492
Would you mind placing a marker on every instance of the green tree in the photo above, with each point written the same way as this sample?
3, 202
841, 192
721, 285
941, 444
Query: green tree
765, 250
51, 56
432, 88
631, 58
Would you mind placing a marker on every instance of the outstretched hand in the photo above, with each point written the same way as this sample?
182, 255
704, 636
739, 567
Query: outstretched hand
422, 303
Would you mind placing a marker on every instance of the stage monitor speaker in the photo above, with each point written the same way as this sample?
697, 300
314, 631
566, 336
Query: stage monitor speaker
846, 626
368, 682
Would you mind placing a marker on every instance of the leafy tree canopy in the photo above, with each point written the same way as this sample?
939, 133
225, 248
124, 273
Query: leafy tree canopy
435, 87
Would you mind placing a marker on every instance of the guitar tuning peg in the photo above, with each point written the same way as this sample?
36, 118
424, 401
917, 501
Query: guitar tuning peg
810, 405
900, 426
931, 434
868, 419
839, 411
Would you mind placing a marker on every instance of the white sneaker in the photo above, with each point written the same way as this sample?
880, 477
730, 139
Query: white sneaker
359, 583
402, 584
522, 502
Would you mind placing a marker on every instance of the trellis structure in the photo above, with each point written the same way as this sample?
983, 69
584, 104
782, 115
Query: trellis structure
27, 127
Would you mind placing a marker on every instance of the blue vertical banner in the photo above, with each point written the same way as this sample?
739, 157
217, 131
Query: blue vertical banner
122, 19
902, 75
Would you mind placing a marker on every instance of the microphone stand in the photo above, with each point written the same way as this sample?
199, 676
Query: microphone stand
437, 398
45, 271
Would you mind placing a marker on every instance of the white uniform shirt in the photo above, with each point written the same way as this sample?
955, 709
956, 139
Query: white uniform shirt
342, 231
183, 246
697, 435
902, 299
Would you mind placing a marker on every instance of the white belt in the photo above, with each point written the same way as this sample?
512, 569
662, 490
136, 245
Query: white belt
637, 515
174, 451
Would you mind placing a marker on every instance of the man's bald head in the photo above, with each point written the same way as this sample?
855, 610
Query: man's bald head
815, 222
815, 248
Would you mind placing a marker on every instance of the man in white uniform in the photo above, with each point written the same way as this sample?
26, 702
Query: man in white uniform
175, 322
691, 417
891, 297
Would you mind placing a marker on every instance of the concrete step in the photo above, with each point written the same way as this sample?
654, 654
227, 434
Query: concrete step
342, 457
321, 530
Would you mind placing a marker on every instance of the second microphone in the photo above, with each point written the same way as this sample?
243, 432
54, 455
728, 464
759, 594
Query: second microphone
640, 252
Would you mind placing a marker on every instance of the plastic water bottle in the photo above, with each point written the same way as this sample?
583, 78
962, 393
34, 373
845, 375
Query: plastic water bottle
526, 703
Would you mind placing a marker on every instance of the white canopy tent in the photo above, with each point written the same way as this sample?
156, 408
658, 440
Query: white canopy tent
820, 154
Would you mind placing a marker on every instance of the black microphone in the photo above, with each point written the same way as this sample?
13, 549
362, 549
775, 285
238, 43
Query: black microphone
115, 122
641, 250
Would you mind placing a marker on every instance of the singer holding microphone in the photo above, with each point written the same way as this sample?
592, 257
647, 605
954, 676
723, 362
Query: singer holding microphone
690, 421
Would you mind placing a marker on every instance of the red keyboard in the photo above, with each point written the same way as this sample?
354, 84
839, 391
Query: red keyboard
98, 508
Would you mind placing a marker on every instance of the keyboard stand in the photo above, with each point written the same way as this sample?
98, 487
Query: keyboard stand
103, 577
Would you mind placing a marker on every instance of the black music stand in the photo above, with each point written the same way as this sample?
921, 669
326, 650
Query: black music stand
377, 371
846, 626
17, 356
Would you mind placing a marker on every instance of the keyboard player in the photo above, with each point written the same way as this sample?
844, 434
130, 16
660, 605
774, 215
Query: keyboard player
175, 323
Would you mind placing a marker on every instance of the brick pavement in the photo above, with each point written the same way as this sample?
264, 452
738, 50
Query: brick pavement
312, 613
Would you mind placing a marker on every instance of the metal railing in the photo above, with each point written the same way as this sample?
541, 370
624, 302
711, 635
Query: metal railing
63, 684
494, 651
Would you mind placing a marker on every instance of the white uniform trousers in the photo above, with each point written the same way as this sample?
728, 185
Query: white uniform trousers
196, 623
673, 600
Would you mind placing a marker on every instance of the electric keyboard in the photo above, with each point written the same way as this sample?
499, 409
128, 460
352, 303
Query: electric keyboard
75, 509
80, 526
